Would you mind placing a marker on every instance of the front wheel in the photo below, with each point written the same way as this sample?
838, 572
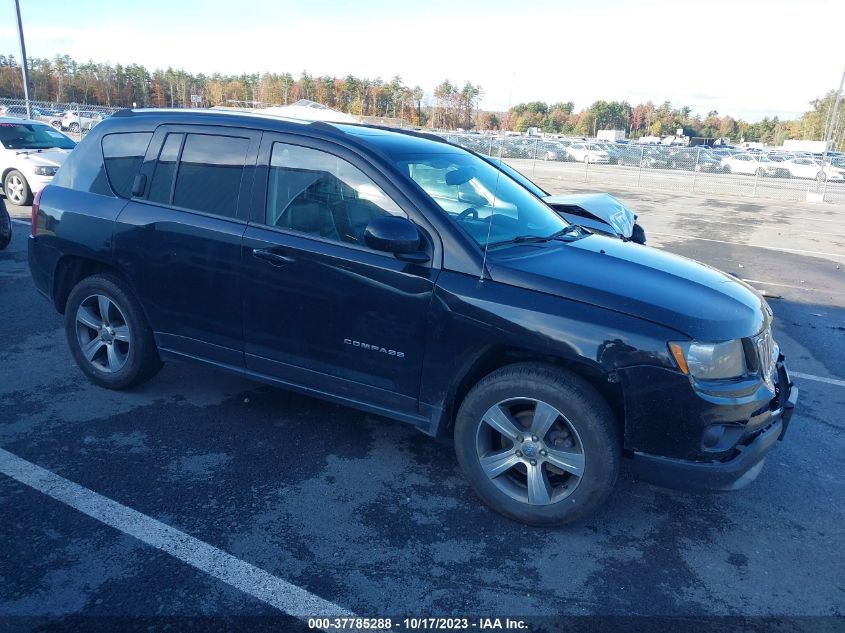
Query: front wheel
108, 333
17, 188
74, 127
538, 444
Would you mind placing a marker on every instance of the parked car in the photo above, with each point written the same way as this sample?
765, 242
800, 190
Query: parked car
408, 277
598, 212
5, 226
84, 120
656, 158
695, 159
803, 167
584, 153
30, 155
743, 164
38, 114
612, 152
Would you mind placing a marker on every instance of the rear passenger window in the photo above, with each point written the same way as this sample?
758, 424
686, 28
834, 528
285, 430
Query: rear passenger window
123, 155
207, 170
84, 170
209, 174
162, 183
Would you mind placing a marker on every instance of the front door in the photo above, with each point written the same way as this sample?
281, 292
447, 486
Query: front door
321, 309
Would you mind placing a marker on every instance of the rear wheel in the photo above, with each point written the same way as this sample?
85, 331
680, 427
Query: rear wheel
538, 444
108, 333
74, 127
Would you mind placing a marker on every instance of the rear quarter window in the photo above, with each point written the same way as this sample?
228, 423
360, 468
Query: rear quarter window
84, 169
122, 157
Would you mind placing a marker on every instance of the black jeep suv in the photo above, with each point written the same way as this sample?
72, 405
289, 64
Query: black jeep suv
405, 276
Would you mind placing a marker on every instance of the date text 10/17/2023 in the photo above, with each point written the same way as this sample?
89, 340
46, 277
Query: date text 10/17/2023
416, 623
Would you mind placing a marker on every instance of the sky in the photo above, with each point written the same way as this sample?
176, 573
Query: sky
746, 58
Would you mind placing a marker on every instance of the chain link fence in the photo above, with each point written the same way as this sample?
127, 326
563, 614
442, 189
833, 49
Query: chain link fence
755, 173
74, 119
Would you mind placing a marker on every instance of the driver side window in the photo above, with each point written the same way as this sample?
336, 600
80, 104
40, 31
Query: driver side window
313, 192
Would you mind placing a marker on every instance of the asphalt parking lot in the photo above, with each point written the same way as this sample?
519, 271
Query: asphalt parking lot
375, 518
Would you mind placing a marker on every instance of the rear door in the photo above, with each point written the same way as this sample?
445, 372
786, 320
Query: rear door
179, 237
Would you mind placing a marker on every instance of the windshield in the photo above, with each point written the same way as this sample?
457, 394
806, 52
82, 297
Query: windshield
32, 136
481, 199
522, 180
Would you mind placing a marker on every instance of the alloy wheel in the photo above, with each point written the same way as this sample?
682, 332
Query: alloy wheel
530, 451
15, 189
102, 333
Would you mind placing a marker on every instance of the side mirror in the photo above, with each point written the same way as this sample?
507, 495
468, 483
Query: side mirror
392, 234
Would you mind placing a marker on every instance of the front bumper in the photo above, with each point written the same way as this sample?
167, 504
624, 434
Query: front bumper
735, 470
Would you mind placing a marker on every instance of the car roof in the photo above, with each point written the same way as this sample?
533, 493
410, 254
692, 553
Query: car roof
391, 141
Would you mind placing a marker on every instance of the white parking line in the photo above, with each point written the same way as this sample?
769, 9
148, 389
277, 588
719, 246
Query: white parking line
830, 381
770, 248
256, 582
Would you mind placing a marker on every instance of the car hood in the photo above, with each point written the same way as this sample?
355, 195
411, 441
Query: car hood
600, 205
679, 293
46, 158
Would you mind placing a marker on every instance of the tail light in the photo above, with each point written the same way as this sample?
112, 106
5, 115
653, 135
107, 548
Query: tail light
36, 202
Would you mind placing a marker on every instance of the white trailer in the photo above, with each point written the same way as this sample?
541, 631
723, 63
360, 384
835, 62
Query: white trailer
815, 147
610, 135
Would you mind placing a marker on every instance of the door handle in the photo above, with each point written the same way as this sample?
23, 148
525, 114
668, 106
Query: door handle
271, 256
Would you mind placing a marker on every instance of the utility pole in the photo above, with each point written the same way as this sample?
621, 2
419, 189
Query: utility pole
24, 69
831, 123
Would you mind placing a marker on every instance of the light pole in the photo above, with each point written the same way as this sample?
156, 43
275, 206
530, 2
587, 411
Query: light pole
24, 69
831, 123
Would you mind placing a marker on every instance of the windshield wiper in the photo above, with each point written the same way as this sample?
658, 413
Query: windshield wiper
524, 239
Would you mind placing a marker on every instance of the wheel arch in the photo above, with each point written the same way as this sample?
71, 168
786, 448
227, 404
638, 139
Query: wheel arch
71, 269
496, 357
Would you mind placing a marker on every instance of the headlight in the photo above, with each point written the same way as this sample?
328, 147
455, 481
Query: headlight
46, 171
710, 361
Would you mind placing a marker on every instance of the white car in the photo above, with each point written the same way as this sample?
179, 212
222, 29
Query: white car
584, 153
803, 167
88, 118
31, 153
745, 164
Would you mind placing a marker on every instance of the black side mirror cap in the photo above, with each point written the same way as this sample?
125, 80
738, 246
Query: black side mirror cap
392, 234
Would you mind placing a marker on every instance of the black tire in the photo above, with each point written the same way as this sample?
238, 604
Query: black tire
581, 407
141, 361
56, 124
727, 169
5, 226
23, 197
74, 127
